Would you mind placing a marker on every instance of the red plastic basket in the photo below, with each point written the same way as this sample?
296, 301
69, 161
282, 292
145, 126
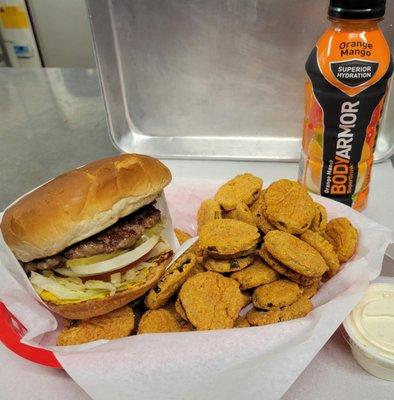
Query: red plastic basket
11, 332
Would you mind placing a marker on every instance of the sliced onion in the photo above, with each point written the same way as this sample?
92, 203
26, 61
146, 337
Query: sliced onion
117, 262
66, 272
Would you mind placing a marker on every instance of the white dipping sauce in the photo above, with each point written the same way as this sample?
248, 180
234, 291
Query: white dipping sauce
371, 330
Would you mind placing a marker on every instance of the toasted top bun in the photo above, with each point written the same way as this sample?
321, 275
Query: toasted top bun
94, 308
81, 203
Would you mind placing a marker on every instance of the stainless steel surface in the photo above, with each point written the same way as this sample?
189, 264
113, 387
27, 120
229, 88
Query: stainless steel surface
211, 79
51, 120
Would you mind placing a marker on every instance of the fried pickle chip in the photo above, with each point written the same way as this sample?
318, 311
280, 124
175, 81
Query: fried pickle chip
181, 235
224, 238
172, 279
300, 308
209, 210
114, 325
224, 266
343, 236
243, 188
256, 274
258, 209
295, 254
159, 321
211, 301
285, 271
289, 206
276, 294
325, 249
319, 222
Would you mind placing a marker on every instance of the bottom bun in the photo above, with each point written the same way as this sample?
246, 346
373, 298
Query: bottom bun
94, 308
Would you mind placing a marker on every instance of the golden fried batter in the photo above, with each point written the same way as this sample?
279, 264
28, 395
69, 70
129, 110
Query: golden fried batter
319, 222
209, 210
258, 209
295, 254
277, 294
298, 309
114, 325
285, 271
224, 238
258, 273
343, 236
224, 266
325, 249
159, 321
289, 206
181, 235
172, 279
243, 188
211, 301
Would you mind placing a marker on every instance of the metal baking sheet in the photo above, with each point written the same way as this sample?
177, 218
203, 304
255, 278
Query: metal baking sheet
211, 78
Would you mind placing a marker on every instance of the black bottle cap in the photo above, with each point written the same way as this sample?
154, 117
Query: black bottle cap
357, 9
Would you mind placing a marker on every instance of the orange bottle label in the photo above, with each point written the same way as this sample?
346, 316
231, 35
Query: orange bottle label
348, 79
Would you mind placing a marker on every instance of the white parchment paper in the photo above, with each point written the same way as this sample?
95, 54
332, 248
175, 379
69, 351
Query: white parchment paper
223, 364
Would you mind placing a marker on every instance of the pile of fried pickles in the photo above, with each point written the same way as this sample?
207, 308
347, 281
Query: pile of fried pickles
261, 255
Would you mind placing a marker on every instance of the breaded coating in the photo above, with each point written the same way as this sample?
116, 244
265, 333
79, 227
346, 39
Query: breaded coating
256, 274
285, 271
295, 254
343, 236
224, 266
277, 294
298, 309
325, 249
211, 301
311, 290
243, 188
209, 210
319, 222
257, 317
181, 235
169, 283
289, 206
114, 325
159, 321
224, 238
258, 209
241, 322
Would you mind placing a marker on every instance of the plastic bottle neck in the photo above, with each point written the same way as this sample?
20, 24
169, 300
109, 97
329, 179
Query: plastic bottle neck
354, 24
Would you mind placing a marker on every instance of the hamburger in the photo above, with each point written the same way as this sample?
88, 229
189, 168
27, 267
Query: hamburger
94, 238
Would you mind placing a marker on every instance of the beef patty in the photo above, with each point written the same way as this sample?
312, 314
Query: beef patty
120, 236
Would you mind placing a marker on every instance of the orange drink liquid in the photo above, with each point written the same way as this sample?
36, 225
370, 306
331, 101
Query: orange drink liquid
348, 77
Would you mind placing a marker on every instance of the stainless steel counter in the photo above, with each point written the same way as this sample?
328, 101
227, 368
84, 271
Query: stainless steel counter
53, 120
